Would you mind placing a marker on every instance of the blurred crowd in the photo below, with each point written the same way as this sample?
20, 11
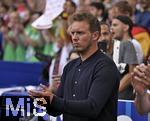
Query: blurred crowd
20, 41
125, 26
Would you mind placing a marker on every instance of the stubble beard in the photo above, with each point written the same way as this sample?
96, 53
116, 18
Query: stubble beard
81, 51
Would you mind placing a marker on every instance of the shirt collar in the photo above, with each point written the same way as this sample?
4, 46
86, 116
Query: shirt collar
92, 57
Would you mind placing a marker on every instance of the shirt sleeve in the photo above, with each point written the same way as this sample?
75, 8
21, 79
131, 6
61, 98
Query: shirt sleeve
102, 89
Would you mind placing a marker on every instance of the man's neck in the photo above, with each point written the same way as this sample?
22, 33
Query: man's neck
88, 53
126, 37
110, 47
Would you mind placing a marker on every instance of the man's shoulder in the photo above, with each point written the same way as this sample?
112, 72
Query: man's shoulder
135, 42
104, 59
126, 44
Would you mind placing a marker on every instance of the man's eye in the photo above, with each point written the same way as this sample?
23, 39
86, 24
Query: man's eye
79, 33
106, 33
114, 25
72, 33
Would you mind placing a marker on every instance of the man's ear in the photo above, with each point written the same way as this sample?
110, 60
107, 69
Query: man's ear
126, 27
69, 30
96, 35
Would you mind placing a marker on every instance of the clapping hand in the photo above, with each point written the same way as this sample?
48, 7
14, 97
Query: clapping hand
141, 78
43, 93
55, 83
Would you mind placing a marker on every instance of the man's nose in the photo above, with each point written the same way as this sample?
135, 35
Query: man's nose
102, 37
75, 36
111, 28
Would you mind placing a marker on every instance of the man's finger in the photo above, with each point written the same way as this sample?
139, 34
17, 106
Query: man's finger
35, 93
31, 96
147, 83
44, 88
138, 72
137, 78
56, 76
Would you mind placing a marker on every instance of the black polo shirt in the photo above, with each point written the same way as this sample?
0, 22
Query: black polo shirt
88, 90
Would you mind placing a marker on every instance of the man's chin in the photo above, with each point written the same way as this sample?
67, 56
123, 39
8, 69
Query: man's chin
78, 50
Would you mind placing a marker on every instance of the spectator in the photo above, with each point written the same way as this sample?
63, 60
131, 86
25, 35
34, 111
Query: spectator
121, 26
10, 41
143, 17
134, 4
107, 3
138, 32
36, 5
69, 7
113, 45
98, 10
33, 40
17, 36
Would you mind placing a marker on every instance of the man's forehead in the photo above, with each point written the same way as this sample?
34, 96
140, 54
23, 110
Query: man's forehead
80, 22
77, 25
116, 21
104, 28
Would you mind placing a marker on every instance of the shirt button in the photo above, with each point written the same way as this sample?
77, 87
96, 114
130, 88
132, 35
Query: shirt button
75, 82
79, 70
74, 95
